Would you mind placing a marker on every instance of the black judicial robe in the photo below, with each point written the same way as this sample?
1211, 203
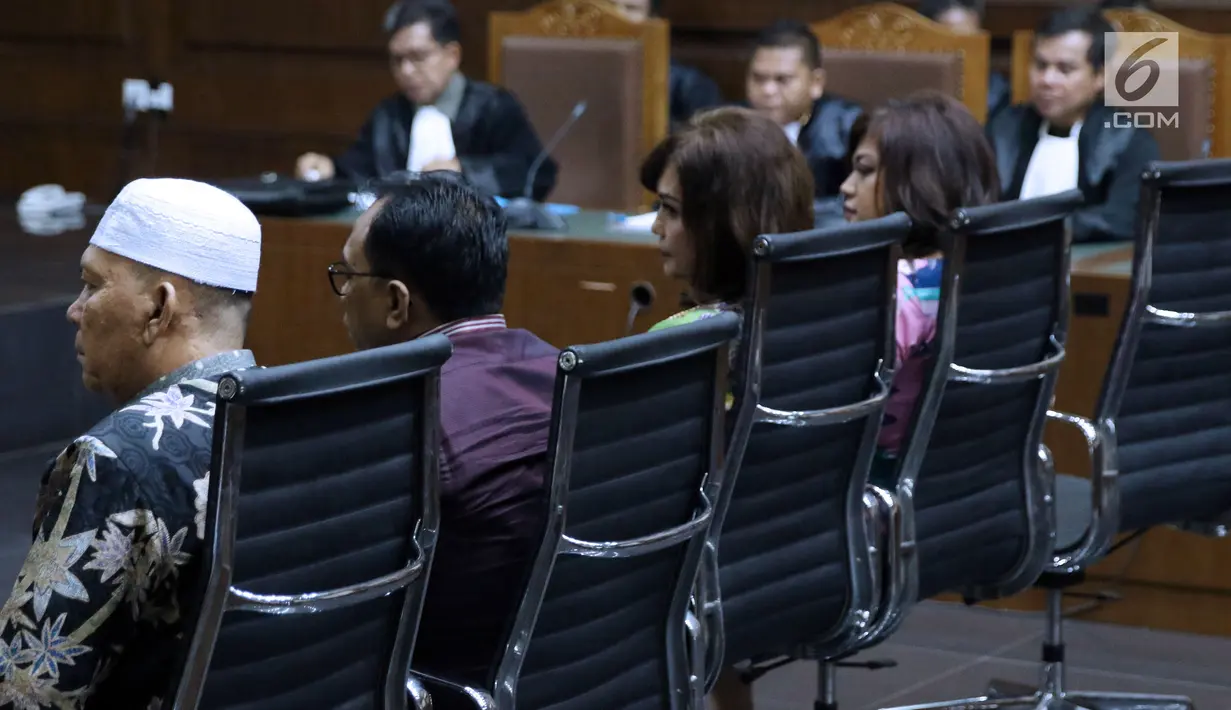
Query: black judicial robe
825, 142
494, 139
1110, 161
691, 92
999, 95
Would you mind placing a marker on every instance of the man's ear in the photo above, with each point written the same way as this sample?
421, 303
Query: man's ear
398, 314
453, 51
817, 90
166, 305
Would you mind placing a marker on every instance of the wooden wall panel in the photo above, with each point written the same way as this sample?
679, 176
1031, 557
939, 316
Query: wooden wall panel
310, 94
352, 26
70, 23
61, 66
257, 83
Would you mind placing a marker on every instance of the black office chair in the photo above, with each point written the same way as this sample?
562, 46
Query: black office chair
636, 447
796, 573
1160, 440
322, 518
974, 482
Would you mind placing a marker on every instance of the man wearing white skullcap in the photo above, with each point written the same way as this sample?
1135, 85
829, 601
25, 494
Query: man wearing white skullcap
94, 618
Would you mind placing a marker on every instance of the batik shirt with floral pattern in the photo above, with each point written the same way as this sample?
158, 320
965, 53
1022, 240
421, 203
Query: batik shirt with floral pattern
94, 618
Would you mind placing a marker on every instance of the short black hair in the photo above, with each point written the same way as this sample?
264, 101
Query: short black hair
933, 9
1126, 4
446, 239
792, 33
440, 16
1078, 19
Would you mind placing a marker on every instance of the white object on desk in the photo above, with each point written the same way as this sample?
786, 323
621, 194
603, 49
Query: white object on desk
633, 223
48, 209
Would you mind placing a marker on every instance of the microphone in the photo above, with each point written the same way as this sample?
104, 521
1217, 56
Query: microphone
524, 212
640, 297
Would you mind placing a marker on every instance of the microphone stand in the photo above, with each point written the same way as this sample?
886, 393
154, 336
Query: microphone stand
525, 212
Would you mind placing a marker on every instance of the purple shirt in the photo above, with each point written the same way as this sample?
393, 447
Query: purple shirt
495, 415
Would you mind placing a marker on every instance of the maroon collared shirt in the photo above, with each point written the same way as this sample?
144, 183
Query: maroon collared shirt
495, 414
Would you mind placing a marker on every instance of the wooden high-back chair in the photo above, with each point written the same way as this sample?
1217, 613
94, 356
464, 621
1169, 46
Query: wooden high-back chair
563, 52
883, 51
1202, 129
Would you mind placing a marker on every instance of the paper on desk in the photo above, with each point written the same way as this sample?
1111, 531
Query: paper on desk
634, 223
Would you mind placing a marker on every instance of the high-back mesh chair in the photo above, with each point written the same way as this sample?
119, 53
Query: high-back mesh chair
322, 518
794, 573
636, 445
975, 487
1160, 441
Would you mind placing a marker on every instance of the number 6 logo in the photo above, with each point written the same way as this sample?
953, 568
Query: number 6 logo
1135, 62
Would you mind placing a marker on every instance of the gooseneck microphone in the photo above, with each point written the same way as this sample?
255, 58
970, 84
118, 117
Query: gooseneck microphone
524, 212
640, 297
579, 110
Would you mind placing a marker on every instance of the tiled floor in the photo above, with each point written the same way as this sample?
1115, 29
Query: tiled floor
947, 651
944, 651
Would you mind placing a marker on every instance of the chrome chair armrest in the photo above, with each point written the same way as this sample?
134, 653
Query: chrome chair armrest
1105, 494
897, 568
653, 542
423, 683
420, 699
1183, 319
696, 660
708, 602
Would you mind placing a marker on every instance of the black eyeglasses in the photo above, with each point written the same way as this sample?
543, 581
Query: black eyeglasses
340, 275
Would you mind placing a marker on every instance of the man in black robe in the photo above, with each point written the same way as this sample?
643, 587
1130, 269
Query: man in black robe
786, 83
493, 143
1066, 137
691, 91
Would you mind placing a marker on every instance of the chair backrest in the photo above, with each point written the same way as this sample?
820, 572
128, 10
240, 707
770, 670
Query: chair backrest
1166, 400
322, 518
971, 483
636, 447
1198, 129
816, 353
564, 51
881, 51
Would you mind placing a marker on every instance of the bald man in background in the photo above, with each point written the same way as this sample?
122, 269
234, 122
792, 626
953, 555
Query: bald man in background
94, 618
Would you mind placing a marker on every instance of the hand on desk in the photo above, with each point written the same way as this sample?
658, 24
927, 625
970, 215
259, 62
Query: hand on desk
313, 167
453, 164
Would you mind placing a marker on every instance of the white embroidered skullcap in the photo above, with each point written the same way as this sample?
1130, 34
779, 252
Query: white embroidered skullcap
185, 228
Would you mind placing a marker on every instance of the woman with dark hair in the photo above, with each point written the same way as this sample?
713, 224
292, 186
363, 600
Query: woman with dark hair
925, 156
729, 175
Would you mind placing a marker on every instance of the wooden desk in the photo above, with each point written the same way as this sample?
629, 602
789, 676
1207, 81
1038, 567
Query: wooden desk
568, 288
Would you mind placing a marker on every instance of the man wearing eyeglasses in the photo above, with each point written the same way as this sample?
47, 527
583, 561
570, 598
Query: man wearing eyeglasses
440, 119
432, 257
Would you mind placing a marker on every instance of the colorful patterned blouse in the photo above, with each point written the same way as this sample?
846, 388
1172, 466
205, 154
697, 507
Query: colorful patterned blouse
918, 299
697, 313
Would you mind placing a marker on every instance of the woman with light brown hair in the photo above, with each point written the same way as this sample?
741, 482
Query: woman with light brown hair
726, 177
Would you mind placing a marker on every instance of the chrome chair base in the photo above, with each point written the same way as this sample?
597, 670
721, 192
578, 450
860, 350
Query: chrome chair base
1063, 701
